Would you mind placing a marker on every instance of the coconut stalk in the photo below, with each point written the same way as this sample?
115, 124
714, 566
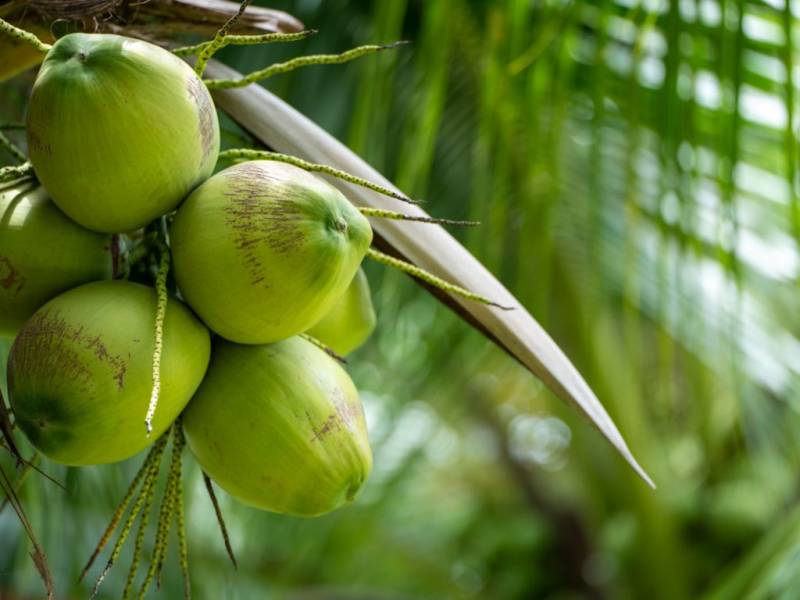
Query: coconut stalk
431, 247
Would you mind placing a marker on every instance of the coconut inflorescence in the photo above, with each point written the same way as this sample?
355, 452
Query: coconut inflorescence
124, 136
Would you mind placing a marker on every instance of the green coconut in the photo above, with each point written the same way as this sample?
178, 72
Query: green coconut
42, 253
280, 427
351, 320
119, 130
263, 250
80, 371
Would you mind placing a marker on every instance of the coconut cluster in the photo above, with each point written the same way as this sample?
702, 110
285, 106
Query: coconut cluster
266, 262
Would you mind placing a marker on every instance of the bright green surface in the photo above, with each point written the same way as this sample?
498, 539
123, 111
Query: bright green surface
119, 130
42, 253
263, 250
280, 427
351, 320
80, 371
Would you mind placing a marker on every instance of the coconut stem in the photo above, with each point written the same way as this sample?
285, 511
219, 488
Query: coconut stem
220, 519
27, 467
12, 173
296, 63
139, 542
244, 40
180, 514
120, 510
154, 461
174, 491
430, 278
24, 36
324, 348
217, 42
12, 148
7, 431
247, 154
161, 311
390, 214
164, 518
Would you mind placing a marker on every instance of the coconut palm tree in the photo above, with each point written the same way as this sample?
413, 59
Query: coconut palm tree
634, 167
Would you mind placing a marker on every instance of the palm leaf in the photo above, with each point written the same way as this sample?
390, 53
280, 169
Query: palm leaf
282, 128
759, 569
206, 16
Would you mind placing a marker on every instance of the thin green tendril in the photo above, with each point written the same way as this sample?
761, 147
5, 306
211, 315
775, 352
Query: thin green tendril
154, 461
12, 148
217, 43
430, 278
247, 154
161, 311
244, 40
296, 63
24, 36
390, 214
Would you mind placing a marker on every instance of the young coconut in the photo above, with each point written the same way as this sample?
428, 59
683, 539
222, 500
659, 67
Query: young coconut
119, 130
79, 372
351, 320
263, 250
42, 253
280, 427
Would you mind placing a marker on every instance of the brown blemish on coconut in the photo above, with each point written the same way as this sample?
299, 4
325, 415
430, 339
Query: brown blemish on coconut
47, 348
346, 415
331, 424
35, 142
10, 277
350, 413
205, 113
262, 211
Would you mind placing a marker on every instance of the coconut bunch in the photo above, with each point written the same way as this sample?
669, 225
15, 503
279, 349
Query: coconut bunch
150, 298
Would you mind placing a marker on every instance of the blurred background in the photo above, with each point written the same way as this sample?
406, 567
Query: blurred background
634, 165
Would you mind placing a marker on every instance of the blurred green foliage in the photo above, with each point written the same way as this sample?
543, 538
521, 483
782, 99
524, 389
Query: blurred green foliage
634, 164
